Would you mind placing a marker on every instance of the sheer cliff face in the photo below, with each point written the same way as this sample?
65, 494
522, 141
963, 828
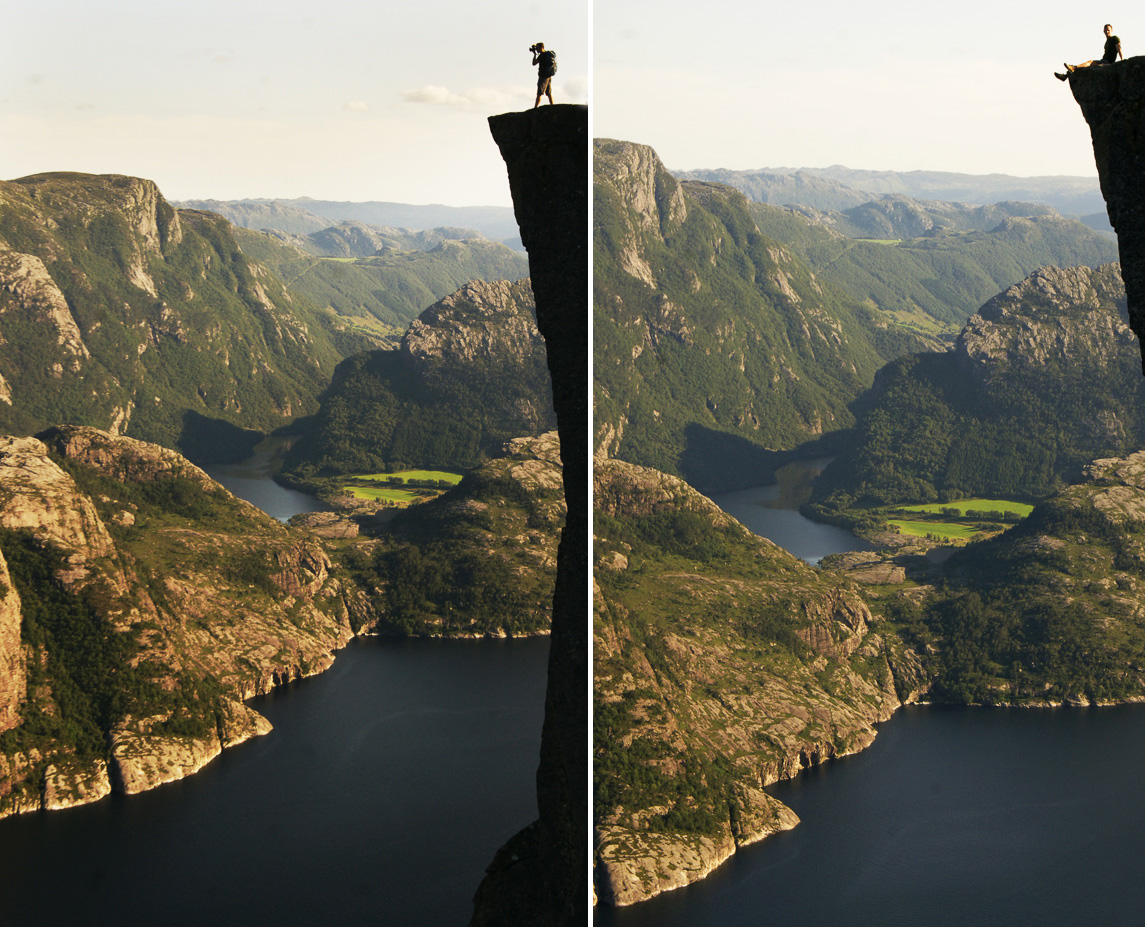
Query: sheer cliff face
1112, 99
539, 877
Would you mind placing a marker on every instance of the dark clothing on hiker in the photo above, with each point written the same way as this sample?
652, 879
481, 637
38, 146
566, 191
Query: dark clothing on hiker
1111, 54
547, 64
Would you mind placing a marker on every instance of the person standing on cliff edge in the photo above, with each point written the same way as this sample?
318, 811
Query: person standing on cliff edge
1112, 53
547, 67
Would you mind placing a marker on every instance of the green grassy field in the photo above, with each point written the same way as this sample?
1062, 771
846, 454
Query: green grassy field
384, 494
968, 506
975, 518
941, 529
452, 478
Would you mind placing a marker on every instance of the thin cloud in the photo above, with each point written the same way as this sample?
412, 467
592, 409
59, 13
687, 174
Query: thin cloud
356, 106
476, 96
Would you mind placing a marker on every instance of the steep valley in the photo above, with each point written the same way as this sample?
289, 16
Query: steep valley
120, 312
144, 602
728, 333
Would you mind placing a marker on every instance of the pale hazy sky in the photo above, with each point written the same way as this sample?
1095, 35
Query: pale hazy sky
388, 101
962, 86
252, 98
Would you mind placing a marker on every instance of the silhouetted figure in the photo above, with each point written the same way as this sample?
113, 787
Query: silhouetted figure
1112, 53
547, 67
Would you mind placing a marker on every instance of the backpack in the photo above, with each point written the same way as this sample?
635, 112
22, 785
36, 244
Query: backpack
548, 62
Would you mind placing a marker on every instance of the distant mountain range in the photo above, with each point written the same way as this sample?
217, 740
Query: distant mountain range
840, 188
922, 263
303, 215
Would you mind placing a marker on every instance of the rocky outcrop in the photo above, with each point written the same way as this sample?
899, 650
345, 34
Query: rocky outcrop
481, 320
37, 495
1071, 315
67, 784
539, 876
124, 459
31, 286
721, 665
631, 868
655, 197
142, 757
200, 601
1112, 100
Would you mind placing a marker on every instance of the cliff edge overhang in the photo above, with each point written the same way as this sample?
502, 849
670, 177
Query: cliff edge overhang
1112, 100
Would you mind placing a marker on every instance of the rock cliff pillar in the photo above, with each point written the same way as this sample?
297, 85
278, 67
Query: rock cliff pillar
541, 876
1112, 99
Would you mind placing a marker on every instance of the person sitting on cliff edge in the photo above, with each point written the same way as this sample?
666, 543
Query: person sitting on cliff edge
547, 67
1112, 53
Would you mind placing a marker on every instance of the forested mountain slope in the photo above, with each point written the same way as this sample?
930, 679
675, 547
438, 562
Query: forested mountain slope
944, 268
706, 331
721, 664
1043, 380
469, 375
147, 602
120, 312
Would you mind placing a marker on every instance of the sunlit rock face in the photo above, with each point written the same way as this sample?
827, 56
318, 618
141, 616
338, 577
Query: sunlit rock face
1112, 99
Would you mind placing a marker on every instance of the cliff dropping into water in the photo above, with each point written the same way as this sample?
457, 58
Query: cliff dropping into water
539, 877
142, 603
1112, 99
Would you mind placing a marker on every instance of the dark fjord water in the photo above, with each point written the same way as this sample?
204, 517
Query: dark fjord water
953, 817
384, 790
773, 512
250, 479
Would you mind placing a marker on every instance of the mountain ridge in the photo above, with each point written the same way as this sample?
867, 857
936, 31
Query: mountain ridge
837, 187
